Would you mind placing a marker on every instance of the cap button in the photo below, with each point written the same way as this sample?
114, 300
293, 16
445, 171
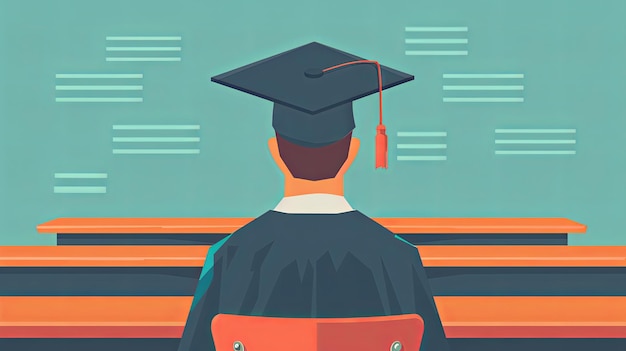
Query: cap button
313, 73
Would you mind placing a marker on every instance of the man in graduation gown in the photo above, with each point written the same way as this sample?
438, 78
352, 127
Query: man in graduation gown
313, 255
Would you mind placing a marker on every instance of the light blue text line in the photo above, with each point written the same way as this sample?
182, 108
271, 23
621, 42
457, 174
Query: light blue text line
435, 41
143, 48
536, 141
99, 99
435, 53
483, 75
422, 146
144, 38
155, 139
98, 75
141, 59
535, 130
80, 189
482, 99
436, 29
421, 158
535, 152
483, 87
99, 87
422, 134
155, 127
155, 151
96, 99
80, 175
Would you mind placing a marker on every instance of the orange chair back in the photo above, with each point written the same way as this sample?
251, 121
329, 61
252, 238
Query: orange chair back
251, 333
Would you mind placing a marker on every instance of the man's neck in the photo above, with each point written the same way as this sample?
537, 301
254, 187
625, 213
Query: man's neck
295, 187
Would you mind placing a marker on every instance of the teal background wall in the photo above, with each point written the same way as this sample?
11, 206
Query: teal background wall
571, 54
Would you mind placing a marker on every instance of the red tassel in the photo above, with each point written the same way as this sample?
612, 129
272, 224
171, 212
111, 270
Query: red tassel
381, 147
381, 137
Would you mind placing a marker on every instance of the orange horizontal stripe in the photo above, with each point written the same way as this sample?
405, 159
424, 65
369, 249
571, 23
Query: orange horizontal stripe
523, 263
522, 256
195, 262
537, 324
92, 324
104, 250
229, 225
486, 251
466, 310
482, 225
552, 332
458, 310
462, 317
194, 256
102, 256
85, 309
83, 332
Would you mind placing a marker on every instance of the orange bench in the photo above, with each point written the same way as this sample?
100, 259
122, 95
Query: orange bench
523, 256
102, 256
165, 317
174, 270
432, 256
229, 225
206, 231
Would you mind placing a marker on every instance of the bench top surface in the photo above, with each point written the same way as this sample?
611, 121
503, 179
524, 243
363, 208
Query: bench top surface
194, 256
162, 317
229, 225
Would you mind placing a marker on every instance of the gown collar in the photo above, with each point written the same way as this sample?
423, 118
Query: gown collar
314, 203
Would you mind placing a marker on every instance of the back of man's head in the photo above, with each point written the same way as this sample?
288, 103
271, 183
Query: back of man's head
314, 163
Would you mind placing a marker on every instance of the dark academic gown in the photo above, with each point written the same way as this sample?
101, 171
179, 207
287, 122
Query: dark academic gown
312, 265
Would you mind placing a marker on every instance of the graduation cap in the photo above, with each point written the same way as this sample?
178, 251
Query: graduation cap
312, 88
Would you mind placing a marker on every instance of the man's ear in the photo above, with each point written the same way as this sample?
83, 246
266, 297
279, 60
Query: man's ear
355, 143
272, 144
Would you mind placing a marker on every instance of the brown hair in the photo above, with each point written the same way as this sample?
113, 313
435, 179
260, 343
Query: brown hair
314, 163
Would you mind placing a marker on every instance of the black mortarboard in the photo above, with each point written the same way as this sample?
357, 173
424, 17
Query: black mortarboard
312, 108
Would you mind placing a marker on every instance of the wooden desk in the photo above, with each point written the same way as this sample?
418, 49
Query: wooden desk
203, 231
165, 317
174, 270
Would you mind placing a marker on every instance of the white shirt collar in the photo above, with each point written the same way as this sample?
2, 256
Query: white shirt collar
314, 203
